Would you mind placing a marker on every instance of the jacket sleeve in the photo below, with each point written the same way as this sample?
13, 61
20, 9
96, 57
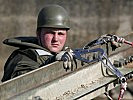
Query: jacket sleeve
24, 65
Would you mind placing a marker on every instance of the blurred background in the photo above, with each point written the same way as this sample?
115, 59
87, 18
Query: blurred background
89, 20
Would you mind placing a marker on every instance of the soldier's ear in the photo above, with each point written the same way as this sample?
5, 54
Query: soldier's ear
38, 34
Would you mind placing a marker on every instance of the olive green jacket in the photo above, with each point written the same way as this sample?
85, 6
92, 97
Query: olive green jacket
27, 57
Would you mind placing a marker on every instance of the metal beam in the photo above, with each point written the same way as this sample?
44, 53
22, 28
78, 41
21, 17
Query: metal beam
53, 82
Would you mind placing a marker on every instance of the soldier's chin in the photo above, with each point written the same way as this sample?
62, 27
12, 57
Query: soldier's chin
55, 50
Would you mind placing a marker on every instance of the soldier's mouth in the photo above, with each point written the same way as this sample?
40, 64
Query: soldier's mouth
55, 45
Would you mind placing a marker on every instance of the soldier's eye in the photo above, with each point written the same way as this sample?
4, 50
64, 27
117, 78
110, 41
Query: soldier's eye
50, 32
60, 33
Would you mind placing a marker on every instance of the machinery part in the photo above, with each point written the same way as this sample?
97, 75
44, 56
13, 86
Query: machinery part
37, 98
101, 55
122, 62
104, 40
79, 52
128, 42
130, 58
117, 63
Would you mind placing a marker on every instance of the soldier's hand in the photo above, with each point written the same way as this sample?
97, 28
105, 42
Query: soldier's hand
116, 41
67, 58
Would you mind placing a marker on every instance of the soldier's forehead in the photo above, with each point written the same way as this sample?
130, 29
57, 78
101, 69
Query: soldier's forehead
53, 29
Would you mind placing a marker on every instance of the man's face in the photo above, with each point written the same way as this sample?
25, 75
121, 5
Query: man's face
53, 39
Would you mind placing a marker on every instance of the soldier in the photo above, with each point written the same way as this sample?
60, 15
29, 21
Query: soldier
52, 30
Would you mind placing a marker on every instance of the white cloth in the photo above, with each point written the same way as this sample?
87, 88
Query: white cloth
42, 52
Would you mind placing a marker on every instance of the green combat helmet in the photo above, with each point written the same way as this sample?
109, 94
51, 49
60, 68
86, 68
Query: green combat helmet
53, 16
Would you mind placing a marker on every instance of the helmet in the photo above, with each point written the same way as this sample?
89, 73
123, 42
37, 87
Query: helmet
53, 16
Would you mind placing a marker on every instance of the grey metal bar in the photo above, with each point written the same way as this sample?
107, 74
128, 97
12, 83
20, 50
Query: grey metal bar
53, 82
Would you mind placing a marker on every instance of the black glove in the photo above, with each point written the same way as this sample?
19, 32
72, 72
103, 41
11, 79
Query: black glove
67, 58
116, 42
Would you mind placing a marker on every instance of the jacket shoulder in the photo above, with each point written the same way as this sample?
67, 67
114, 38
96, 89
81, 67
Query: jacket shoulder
20, 60
23, 42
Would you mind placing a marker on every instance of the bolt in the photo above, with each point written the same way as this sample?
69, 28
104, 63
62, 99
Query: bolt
37, 98
116, 63
122, 61
127, 60
130, 58
95, 55
130, 76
